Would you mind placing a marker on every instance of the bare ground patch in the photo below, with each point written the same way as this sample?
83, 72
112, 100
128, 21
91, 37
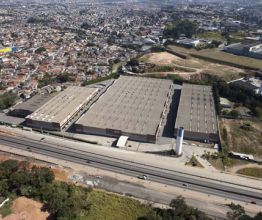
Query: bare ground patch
192, 68
162, 58
244, 139
24, 208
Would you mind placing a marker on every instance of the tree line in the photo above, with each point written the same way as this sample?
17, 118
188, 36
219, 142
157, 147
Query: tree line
176, 29
64, 201
181, 211
69, 202
7, 100
239, 94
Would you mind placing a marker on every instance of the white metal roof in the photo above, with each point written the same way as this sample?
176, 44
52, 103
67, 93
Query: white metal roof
122, 141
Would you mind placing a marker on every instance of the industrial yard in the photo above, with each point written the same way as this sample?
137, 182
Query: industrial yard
138, 109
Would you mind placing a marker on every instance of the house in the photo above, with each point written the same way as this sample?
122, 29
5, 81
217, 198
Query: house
230, 26
252, 83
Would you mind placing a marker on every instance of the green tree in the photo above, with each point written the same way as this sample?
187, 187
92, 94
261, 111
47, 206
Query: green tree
236, 211
39, 177
2, 85
27, 191
185, 27
258, 216
7, 100
17, 180
216, 99
151, 216
3, 188
86, 26
40, 50
234, 113
8, 167
62, 78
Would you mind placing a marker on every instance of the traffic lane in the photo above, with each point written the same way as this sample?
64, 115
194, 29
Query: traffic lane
141, 169
152, 177
131, 163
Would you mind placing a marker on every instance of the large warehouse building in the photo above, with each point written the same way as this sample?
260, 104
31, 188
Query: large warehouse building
54, 114
28, 107
132, 106
196, 113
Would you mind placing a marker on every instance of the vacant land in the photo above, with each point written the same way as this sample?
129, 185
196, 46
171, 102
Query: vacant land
217, 163
220, 57
243, 136
109, 206
60, 174
162, 58
24, 208
211, 36
192, 68
251, 171
194, 162
103, 206
230, 167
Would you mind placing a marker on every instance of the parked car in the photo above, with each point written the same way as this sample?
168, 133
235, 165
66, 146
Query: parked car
143, 177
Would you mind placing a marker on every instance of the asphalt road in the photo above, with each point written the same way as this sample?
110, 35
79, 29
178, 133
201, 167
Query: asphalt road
155, 174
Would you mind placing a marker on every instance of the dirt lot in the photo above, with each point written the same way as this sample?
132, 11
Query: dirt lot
60, 174
27, 209
192, 68
162, 58
244, 136
220, 56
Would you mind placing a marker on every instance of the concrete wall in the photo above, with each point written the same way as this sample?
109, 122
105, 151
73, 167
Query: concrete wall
114, 133
255, 55
234, 51
43, 125
195, 136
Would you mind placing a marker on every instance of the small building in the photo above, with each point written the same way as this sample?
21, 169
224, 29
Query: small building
188, 42
225, 103
230, 26
250, 50
251, 83
196, 114
121, 143
241, 156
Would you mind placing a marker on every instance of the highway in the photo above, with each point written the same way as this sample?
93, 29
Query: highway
155, 174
